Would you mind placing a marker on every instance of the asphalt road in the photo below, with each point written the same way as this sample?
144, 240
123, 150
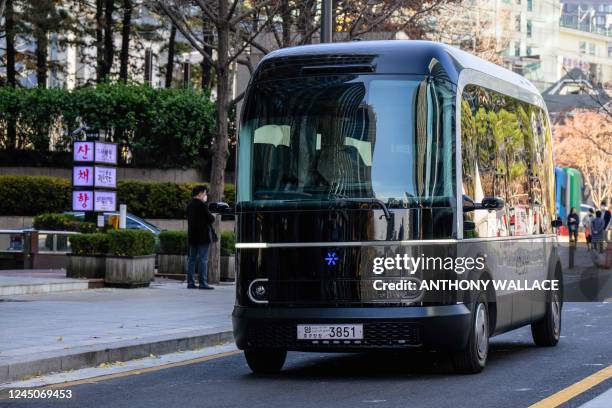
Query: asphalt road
518, 374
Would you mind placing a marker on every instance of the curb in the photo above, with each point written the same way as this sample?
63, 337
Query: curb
122, 351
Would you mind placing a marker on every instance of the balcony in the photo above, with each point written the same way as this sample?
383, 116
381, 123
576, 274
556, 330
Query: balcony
571, 21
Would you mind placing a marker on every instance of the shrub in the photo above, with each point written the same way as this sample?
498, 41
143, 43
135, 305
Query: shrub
33, 195
62, 222
228, 243
173, 242
90, 244
131, 243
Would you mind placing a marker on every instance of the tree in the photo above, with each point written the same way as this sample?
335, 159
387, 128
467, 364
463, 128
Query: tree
471, 26
124, 56
170, 64
2, 5
583, 140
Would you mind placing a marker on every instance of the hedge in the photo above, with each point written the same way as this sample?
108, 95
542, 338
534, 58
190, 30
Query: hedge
173, 242
228, 243
33, 195
128, 243
161, 128
62, 222
90, 244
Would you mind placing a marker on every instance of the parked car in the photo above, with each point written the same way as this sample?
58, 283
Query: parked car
131, 222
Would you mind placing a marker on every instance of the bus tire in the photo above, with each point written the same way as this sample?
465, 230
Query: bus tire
546, 332
265, 361
473, 358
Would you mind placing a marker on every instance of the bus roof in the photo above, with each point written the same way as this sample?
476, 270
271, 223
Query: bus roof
398, 57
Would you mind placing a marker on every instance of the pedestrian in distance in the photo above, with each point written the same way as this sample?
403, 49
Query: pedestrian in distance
597, 231
200, 234
573, 221
586, 223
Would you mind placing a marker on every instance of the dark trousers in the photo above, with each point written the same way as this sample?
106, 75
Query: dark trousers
198, 254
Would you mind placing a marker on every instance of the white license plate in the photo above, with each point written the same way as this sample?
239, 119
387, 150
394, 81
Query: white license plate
330, 331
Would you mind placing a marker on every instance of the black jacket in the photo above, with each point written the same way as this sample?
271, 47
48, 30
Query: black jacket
199, 221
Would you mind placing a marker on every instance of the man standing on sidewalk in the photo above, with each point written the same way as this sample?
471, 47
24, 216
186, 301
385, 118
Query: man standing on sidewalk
199, 223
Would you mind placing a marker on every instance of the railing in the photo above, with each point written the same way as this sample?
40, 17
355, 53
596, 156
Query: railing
572, 22
33, 241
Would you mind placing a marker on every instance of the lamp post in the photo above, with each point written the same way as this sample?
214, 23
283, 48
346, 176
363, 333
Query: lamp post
326, 21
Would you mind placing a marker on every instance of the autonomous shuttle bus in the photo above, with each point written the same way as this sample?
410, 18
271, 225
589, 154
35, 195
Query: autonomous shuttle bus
358, 164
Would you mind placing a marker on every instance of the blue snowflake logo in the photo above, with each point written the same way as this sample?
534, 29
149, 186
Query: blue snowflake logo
331, 258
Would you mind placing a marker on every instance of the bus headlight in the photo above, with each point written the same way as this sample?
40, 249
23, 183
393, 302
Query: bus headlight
258, 291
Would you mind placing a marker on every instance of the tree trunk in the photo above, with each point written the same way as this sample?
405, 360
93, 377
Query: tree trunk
220, 145
286, 22
2, 5
124, 56
206, 66
99, 40
10, 43
170, 64
41, 57
11, 126
109, 51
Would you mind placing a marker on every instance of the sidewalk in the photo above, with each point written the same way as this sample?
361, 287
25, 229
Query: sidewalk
67, 330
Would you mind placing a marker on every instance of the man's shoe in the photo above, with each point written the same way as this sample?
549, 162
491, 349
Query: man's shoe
192, 287
206, 287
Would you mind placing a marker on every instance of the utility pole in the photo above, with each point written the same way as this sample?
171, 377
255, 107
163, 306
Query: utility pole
326, 21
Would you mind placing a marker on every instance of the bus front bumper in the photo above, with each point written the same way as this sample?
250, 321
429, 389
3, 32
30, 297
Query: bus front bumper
437, 327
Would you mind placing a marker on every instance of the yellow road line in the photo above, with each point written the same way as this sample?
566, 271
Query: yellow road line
142, 370
573, 390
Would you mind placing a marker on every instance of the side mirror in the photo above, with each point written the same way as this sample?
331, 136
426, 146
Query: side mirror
492, 203
468, 203
488, 203
219, 208
557, 223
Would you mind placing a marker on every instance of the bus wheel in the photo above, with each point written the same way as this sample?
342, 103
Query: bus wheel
264, 361
546, 332
473, 358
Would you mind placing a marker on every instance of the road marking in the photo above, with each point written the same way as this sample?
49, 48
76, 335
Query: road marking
107, 377
575, 389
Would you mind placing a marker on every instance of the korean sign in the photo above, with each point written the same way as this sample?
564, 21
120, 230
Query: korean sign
82, 200
106, 153
105, 201
105, 177
83, 176
83, 151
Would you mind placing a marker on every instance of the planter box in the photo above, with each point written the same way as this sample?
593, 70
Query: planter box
86, 266
228, 268
172, 264
130, 272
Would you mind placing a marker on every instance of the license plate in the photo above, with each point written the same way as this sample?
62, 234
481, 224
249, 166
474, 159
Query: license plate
330, 331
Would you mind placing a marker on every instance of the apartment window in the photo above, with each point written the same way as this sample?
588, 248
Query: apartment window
582, 46
591, 48
517, 23
529, 28
529, 51
529, 5
517, 49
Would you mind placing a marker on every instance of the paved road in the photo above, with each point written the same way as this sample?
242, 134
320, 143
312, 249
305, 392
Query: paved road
518, 374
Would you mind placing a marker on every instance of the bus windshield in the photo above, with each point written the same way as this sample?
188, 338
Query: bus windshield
348, 137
